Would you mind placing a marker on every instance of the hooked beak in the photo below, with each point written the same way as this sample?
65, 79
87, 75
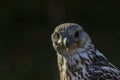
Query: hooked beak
66, 42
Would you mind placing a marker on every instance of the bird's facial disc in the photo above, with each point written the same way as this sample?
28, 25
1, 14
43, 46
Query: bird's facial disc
71, 41
67, 37
66, 42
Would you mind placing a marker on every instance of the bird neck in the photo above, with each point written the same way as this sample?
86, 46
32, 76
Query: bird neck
75, 66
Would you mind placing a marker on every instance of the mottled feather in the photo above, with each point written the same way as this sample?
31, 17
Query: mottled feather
78, 59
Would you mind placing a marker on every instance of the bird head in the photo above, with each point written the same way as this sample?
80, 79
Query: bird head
68, 37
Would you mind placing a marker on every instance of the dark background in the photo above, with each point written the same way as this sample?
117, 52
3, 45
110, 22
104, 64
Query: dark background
26, 51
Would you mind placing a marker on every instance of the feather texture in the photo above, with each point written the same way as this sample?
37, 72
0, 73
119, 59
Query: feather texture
82, 61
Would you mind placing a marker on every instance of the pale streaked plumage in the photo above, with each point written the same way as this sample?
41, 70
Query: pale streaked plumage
78, 59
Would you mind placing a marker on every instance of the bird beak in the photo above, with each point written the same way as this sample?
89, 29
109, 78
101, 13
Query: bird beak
66, 42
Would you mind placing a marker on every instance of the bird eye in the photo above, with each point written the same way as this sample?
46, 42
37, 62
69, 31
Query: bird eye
76, 34
58, 35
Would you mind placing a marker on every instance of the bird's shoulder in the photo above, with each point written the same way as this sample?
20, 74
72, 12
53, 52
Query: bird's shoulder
103, 72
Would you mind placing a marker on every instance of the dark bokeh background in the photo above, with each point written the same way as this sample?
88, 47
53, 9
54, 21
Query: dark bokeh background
26, 51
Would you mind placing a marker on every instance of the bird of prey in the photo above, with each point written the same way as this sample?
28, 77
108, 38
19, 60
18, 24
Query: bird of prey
78, 59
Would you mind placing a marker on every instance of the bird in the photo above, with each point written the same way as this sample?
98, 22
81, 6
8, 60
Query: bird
77, 56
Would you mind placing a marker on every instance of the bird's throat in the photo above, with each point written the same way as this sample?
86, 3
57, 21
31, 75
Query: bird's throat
71, 68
